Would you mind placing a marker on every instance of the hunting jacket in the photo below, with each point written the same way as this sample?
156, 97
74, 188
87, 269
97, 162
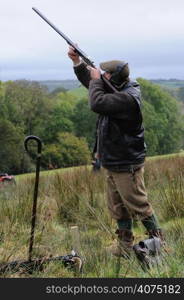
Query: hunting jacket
120, 133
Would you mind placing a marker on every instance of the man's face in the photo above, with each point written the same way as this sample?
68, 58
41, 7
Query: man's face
107, 75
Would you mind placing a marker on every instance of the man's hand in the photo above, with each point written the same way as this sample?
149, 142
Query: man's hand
94, 73
73, 55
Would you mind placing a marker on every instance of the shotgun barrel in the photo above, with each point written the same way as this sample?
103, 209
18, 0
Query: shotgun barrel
81, 53
67, 39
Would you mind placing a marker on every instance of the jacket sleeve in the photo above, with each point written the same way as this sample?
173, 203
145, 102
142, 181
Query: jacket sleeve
107, 103
82, 74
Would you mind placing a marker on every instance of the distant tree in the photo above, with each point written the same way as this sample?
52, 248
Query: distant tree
152, 128
75, 150
27, 105
11, 149
3, 108
52, 157
59, 120
57, 91
161, 117
67, 151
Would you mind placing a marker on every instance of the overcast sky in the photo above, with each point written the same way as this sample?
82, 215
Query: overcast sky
146, 33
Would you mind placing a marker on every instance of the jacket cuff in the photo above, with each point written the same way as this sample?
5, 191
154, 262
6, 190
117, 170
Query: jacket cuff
80, 66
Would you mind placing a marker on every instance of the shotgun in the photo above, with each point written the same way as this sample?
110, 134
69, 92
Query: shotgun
81, 53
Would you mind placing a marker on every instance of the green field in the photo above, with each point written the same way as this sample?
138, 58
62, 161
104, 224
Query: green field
79, 93
77, 196
170, 83
74, 84
46, 173
55, 84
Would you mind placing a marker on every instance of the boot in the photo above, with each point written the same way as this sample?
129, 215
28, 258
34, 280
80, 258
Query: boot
123, 246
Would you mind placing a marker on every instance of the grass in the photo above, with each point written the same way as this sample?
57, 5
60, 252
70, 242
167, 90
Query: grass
48, 172
166, 156
77, 196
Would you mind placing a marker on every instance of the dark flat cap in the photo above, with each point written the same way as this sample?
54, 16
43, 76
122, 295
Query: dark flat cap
111, 65
119, 70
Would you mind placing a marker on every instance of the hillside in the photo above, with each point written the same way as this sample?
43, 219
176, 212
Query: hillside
79, 92
170, 83
68, 84
173, 86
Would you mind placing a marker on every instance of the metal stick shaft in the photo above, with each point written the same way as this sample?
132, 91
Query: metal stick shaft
34, 208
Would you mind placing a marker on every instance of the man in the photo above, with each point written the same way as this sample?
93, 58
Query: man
119, 146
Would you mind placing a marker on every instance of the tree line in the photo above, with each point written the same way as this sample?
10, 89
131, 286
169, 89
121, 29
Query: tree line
66, 125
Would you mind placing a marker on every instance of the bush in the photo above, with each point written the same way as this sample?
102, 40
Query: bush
163, 121
66, 152
11, 150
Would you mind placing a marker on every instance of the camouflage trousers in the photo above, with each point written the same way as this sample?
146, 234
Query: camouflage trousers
126, 195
